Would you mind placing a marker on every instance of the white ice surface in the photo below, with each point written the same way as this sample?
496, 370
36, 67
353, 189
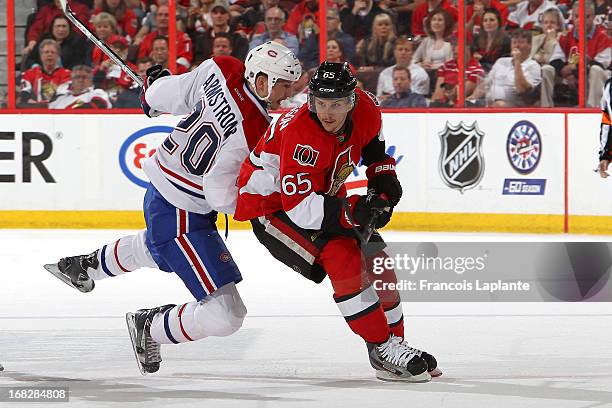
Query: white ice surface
294, 350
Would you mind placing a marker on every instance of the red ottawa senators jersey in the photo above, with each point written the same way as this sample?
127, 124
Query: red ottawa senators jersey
297, 162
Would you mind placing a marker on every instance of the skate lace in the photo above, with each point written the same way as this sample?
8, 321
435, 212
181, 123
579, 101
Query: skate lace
396, 351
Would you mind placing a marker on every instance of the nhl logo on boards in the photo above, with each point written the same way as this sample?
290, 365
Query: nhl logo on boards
524, 147
305, 155
461, 161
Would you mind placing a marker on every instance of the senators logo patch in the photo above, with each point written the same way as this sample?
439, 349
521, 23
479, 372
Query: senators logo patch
342, 169
305, 155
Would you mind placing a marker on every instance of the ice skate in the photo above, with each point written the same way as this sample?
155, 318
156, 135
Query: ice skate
73, 271
146, 350
394, 360
432, 363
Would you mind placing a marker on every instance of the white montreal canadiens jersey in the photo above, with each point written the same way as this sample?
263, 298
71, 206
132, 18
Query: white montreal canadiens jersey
197, 165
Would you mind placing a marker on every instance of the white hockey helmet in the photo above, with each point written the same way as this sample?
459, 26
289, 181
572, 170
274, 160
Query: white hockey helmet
276, 61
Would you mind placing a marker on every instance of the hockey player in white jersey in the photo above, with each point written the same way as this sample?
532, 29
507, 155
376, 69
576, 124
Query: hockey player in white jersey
192, 176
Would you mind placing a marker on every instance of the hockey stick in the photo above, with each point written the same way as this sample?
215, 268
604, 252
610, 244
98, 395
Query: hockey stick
103, 47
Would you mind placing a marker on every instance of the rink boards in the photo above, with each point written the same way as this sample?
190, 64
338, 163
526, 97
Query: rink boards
511, 172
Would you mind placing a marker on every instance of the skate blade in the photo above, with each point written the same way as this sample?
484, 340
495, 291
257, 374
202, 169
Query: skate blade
54, 270
131, 326
436, 372
387, 376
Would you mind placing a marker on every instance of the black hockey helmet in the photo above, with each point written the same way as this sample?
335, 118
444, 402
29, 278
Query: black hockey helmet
332, 80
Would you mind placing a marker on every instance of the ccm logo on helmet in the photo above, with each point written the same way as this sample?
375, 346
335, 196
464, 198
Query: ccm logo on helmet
326, 90
272, 53
305, 155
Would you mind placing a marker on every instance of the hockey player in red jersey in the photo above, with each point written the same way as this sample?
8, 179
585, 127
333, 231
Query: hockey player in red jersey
193, 175
292, 190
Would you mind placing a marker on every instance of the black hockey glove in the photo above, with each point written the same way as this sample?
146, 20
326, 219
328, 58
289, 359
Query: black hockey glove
361, 209
156, 72
382, 179
153, 74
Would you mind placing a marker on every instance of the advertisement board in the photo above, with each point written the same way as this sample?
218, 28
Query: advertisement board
483, 171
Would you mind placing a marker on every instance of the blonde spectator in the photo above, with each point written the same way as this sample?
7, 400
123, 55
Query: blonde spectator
105, 26
377, 49
125, 16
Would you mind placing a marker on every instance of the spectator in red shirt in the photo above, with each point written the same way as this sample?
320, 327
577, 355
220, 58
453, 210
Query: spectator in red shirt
303, 9
492, 42
445, 93
475, 11
105, 27
598, 58
39, 84
44, 17
184, 53
108, 76
126, 18
422, 12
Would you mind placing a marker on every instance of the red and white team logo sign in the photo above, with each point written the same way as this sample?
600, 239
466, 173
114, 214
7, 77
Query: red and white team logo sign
305, 155
138, 147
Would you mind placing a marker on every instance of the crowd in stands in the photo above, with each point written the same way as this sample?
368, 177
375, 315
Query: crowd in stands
517, 53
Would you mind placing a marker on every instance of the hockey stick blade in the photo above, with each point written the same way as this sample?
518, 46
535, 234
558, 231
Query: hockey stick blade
103, 47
